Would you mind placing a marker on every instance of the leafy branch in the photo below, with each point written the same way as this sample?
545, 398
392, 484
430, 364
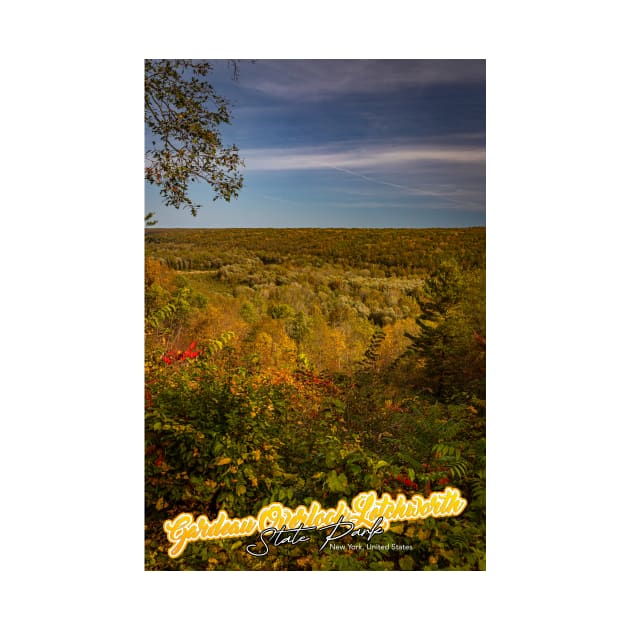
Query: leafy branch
182, 114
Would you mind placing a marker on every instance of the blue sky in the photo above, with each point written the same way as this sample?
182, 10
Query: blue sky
354, 143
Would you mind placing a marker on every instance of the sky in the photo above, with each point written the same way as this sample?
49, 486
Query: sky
349, 143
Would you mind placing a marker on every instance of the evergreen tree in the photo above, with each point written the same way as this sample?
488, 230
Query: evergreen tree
451, 339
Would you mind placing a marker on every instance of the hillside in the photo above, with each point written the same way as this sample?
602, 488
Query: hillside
316, 364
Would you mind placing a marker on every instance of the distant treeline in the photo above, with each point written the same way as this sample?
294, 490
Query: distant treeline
381, 252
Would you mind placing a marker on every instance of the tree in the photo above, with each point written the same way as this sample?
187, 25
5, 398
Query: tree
183, 113
451, 340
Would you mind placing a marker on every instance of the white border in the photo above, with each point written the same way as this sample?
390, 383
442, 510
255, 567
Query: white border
557, 318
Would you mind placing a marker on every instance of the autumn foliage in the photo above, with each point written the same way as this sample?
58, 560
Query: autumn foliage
294, 366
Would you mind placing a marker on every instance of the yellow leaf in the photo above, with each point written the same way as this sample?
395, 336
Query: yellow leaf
223, 461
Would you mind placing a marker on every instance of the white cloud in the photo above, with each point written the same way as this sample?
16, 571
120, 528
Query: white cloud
316, 80
366, 157
449, 174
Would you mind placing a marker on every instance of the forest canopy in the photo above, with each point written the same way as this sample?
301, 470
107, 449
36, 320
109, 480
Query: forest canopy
314, 364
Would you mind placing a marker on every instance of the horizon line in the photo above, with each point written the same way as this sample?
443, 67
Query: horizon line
307, 227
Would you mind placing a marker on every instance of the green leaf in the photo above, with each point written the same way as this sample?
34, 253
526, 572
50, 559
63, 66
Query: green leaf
406, 563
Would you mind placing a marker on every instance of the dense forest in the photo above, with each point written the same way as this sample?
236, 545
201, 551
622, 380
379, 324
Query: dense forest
301, 365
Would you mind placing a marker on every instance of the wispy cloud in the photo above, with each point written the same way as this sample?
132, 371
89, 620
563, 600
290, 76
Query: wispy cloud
324, 79
447, 174
448, 195
365, 156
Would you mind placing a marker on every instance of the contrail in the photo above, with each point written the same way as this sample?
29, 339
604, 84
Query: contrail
420, 191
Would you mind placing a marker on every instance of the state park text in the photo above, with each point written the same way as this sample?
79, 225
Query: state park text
367, 513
